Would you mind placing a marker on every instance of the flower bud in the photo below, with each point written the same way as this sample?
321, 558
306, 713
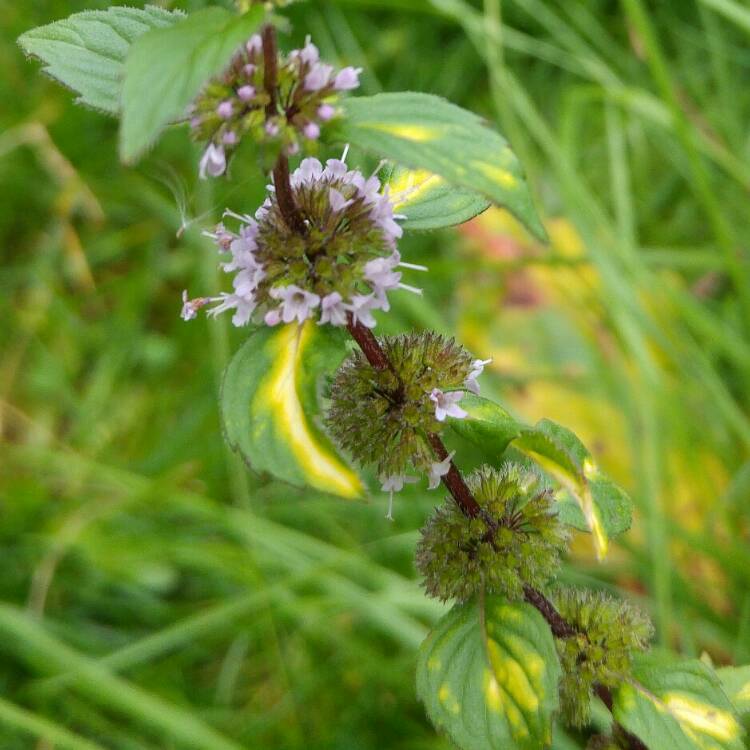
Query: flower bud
609, 631
516, 540
383, 417
237, 102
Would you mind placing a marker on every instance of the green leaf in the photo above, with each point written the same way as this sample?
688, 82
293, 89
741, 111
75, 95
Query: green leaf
677, 705
605, 509
86, 51
736, 684
487, 424
425, 132
166, 69
271, 406
428, 201
488, 675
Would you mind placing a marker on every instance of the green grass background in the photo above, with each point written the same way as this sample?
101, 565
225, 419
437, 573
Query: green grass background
157, 595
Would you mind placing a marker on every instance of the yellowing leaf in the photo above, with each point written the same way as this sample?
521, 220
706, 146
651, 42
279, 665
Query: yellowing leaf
425, 132
677, 705
428, 201
271, 407
488, 676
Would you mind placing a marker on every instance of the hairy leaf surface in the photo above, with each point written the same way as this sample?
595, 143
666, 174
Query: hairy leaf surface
166, 69
605, 509
736, 684
488, 675
428, 201
86, 51
677, 705
426, 132
270, 405
487, 424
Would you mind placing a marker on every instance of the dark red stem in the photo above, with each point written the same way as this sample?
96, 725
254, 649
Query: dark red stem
369, 345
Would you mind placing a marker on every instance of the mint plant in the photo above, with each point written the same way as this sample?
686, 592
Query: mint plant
316, 398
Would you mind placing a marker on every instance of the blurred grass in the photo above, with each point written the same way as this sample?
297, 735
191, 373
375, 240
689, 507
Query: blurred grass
158, 595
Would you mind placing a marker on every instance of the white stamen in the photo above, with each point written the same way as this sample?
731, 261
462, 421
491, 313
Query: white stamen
412, 289
413, 266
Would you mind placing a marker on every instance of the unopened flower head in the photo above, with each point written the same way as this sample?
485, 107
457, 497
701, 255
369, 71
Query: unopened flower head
237, 104
343, 264
609, 632
383, 417
516, 540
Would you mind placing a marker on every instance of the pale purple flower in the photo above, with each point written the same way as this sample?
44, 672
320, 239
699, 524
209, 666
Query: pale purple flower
337, 201
308, 54
254, 44
273, 317
394, 483
213, 162
225, 109
477, 367
242, 305
309, 170
438, 470
296, 303
190, 307
246, 93
195, 122
249, 70
379, 272
446, 404
337, 169
292, 149
311, 131
229, 138
347, 79
326, 112
361, 307
332, 310
318, 77
272, 128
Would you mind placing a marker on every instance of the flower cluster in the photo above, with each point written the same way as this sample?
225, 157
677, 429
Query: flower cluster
609, 631
344, 264
237, 104
516, 540
384, 417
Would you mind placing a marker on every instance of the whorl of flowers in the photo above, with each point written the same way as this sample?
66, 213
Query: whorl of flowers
343, 264
235, 104
516, 540
384, 417
608, 632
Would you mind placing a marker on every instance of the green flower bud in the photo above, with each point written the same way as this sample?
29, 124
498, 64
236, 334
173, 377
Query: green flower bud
383, 417
516, 541
609, 631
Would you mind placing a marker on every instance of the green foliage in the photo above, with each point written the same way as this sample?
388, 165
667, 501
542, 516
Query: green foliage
735, 682
486, 424
428, 201
271, 407
167, 67
517, 540
383, 417
608, 632
677, 704
426, 132
606, 508
86, 51
488, 673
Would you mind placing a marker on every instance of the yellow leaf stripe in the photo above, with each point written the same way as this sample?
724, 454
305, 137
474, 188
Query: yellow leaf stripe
410, 186
279, 395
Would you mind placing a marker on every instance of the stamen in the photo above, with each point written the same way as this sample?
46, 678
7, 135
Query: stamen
244, 218
346, 152
412, 289
413, 266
